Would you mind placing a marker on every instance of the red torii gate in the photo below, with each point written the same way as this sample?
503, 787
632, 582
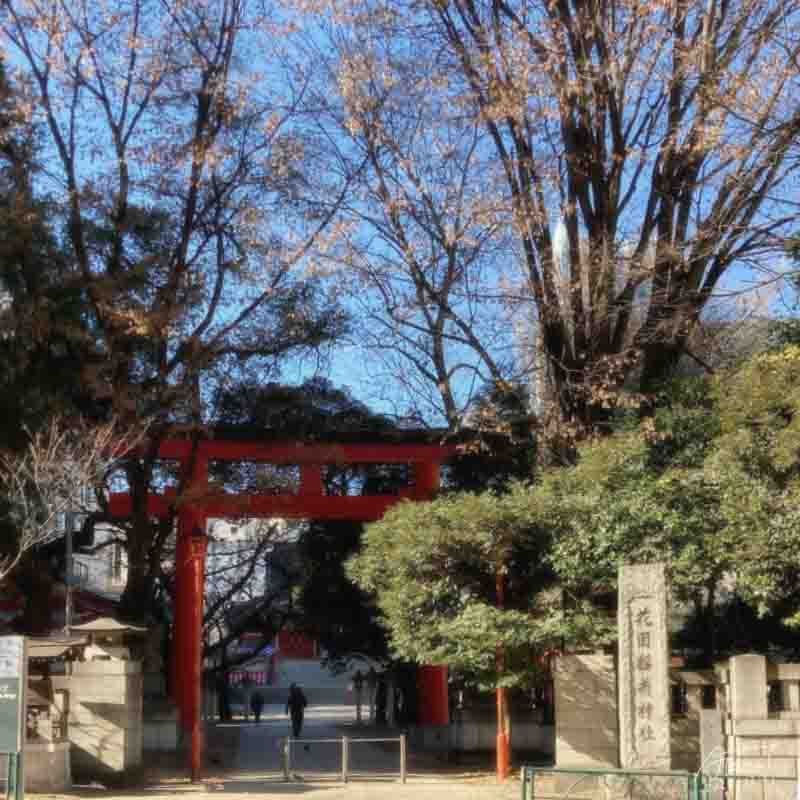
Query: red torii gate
198, 502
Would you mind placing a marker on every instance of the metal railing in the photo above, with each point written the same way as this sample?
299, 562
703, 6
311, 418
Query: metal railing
732, 786
655, 784
666, 785
345, 743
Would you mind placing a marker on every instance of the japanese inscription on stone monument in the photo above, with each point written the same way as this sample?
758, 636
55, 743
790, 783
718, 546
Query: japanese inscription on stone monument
644, 667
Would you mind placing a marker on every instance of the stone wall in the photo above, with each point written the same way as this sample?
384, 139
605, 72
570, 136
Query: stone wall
762, 743
744, 742
587, 717
105, 719
586, 711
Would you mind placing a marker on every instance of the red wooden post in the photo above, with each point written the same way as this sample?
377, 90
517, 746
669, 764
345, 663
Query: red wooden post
198, 546
432, 700
503, 744
188, 603
181, 635
426, 479
177, 679
311, 480
432, 695
188, 625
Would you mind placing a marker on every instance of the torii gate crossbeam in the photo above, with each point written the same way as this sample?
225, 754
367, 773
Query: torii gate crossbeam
199, 501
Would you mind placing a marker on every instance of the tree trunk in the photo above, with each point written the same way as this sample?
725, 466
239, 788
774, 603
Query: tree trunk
659, 363
136, 604
710, 626
34, 579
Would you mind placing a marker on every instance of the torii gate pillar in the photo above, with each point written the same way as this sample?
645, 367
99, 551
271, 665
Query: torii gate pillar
432, 695
187, 646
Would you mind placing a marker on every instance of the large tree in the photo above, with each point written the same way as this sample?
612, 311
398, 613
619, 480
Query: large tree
330, 606
644, 153
42, 335
458, 577
191, 196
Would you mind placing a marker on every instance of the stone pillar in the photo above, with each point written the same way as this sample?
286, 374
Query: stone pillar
644, 689
712, 742
749, 687
105, 719
793, 695
586, 711
712, 752
751, 734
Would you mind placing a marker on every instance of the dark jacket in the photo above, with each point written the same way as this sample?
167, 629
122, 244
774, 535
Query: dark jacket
296, 702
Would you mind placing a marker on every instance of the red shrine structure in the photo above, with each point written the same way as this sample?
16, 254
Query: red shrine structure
199, 501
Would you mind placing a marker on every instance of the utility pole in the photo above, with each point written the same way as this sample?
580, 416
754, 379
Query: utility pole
69, 518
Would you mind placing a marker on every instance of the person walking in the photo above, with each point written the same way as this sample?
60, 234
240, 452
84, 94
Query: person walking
372, 684
256, 704
296, 706
358, 686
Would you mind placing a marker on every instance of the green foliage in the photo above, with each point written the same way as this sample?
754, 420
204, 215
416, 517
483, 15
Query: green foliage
709, 484
504, 447
41, 328
433, 569
314, 408
330, 605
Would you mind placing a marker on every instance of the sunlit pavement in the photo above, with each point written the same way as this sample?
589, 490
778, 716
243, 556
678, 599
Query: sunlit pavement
316, 765
316, 772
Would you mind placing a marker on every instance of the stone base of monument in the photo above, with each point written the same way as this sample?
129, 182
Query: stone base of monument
580, 787
586, 786
105, 720
47, 767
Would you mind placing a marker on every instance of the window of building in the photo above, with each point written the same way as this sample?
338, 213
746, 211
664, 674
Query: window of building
775, 696
679, 698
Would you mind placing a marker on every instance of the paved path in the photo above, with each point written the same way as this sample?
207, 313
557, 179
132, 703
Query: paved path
316, 771
318, 756
257, 768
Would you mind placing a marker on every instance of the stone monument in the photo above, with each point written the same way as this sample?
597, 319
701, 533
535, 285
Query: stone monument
644, 688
